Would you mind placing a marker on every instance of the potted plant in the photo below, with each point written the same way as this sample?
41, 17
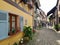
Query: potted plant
27, 32
11, 32
34, 31
57, 27
15, 43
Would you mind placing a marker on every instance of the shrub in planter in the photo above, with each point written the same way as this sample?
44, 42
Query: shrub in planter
15, 43
28, 32
34, 31
57, 27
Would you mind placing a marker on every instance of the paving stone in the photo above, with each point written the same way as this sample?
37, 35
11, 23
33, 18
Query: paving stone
45, 37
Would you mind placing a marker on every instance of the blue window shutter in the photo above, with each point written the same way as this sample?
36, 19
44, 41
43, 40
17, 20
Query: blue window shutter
21, 23
3, 25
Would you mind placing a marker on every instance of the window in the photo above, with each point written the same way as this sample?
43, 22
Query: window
12, 24
24, 1
25, 22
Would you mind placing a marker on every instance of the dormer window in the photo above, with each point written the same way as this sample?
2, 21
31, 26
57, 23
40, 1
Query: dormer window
24, 1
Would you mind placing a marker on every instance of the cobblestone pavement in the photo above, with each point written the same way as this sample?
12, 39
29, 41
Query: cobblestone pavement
45, 37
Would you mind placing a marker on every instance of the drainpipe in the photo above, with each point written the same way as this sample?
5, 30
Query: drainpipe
56, 13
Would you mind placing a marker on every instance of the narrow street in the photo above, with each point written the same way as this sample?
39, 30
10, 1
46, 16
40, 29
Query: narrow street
23, 20
45, 37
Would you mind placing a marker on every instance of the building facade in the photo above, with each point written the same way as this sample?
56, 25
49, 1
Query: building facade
36, 13
59, 11
53, 15
39, 18
14, 15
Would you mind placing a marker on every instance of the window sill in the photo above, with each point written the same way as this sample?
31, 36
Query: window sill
11, 34
9, 37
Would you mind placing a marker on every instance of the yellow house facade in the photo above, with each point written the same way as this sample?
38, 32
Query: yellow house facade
17, 15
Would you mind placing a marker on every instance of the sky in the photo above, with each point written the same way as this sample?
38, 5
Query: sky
47, 5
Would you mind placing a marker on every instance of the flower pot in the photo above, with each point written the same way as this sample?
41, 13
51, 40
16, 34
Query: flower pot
26, 39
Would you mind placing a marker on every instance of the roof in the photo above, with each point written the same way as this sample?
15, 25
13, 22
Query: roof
36, 4
52, 11
52, 17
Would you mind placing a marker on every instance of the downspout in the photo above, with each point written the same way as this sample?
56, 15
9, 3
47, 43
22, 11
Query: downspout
57, 21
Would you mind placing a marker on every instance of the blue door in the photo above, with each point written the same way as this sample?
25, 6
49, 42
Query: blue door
21, 23
3, 25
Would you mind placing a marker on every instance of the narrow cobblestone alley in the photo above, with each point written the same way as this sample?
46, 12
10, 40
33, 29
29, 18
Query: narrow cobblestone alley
45, 37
